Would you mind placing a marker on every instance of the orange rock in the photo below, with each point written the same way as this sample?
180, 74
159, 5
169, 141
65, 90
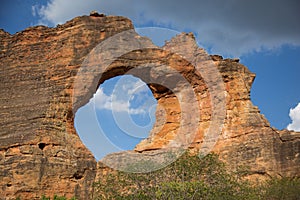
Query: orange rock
40, 152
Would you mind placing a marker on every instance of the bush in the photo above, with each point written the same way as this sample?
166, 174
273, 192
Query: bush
284, 188
190, 177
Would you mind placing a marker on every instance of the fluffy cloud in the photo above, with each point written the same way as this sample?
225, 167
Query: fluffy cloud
231, 27
295, 116
128, 96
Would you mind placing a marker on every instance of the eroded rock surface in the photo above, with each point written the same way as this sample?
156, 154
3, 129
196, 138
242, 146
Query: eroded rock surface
44, 82
40, 152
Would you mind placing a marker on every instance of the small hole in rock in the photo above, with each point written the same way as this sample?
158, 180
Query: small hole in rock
41, 145
78, 175
8, 184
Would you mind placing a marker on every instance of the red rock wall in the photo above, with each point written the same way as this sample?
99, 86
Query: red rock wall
40, 152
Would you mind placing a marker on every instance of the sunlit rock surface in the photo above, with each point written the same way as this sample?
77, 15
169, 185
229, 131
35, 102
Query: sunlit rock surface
43, 84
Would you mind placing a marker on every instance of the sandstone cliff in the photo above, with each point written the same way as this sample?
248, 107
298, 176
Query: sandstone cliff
43, 83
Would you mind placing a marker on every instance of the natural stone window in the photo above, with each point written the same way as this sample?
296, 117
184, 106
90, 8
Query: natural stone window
120, 115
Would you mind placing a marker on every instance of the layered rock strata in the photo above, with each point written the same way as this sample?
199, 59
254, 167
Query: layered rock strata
47, 74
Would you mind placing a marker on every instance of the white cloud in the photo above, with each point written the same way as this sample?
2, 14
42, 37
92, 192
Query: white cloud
120, 100
103, 101
34, 10
295, 116
59, 11
231, 27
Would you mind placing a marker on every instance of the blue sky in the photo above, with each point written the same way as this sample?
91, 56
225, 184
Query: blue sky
265, 35
120, 114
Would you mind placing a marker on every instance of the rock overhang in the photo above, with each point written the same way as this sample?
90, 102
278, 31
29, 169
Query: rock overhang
40, 67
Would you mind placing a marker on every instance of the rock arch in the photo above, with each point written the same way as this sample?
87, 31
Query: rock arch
151, 66
40, 152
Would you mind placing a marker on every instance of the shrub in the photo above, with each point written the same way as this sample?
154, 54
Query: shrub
283, 188
190, 177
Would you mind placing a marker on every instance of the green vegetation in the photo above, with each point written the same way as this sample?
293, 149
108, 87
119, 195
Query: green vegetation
284, 188
191, 177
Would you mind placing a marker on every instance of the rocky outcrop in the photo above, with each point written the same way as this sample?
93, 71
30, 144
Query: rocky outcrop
40, 152
203, 104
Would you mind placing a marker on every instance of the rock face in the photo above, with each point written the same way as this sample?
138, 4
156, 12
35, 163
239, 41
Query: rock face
40, 152
203, 104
